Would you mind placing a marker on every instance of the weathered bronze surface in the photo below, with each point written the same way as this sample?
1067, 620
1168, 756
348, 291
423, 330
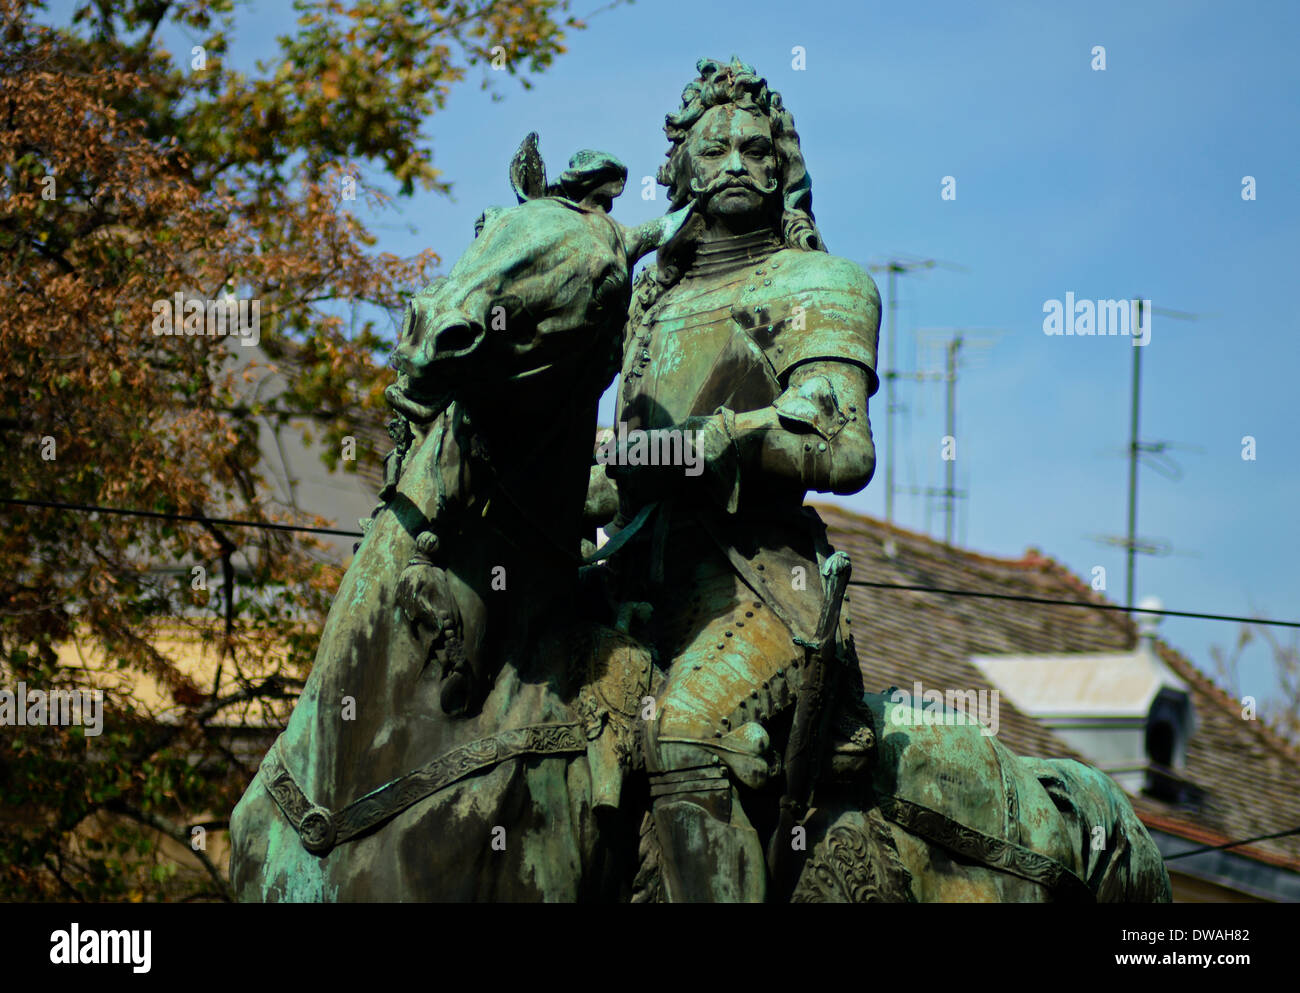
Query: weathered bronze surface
681, 717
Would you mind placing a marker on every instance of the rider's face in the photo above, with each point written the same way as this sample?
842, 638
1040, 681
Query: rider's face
732, 161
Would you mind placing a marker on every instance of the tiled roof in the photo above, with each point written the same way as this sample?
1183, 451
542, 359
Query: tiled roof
1249, 776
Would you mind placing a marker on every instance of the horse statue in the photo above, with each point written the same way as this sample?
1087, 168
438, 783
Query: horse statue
472, 727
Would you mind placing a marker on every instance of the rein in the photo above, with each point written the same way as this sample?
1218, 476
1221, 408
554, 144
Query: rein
321, 829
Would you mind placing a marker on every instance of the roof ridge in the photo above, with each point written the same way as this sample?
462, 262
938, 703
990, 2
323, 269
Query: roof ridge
1187, 669
1117, 619
1032, 558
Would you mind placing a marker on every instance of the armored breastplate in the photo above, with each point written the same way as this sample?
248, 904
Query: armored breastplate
726, 335
730, 330
703, 345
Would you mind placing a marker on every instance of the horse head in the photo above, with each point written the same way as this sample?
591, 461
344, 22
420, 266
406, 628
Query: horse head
520, 338
542, 282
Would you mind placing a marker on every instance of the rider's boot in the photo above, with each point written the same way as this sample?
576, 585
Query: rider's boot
709, 852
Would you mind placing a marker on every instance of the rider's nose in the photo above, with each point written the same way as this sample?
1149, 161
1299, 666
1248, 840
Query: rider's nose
734, 165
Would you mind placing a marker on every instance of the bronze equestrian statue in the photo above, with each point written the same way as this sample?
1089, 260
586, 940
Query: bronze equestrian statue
680, 716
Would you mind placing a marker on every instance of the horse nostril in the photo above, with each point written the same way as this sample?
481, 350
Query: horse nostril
455, 339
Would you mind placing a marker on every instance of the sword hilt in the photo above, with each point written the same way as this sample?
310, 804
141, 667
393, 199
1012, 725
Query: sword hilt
836, 572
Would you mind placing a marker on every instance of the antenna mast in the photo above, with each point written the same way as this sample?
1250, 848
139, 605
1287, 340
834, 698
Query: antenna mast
896, 266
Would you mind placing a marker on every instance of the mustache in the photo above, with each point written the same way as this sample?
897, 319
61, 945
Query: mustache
708, 190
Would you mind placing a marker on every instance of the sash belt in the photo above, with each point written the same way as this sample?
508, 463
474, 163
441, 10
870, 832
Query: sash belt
996, 853
321, 830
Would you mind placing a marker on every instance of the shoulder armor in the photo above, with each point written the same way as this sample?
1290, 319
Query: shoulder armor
818, 306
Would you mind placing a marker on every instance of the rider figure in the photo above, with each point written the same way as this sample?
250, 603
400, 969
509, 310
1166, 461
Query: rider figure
762, 346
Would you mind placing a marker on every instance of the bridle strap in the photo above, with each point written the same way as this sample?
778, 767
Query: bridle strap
321, 829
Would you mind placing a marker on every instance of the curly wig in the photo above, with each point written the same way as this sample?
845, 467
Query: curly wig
736, 83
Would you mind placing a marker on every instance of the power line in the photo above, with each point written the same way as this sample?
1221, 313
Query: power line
157, 515
1233, 844
1074, 603
196, 518
1047, 601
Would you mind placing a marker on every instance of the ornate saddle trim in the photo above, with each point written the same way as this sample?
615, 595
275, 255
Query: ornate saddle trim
855, 863
321, 830
996, 853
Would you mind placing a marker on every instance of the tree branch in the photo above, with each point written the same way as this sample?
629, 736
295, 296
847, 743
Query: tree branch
177, 833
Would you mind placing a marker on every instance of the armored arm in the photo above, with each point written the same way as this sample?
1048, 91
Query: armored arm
816, 434
822, 344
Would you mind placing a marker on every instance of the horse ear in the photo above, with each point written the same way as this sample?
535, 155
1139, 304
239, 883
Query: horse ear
527, 171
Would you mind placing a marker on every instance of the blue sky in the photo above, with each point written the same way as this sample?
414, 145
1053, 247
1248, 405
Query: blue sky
1107, 184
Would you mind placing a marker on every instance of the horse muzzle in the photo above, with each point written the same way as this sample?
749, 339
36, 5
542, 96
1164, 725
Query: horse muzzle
436, 346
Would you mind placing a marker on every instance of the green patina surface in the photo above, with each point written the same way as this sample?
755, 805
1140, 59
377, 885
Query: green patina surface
693, 704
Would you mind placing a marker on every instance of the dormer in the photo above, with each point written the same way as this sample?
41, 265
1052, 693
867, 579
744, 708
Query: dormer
1125, 712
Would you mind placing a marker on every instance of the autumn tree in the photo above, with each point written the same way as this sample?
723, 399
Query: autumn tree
130, 174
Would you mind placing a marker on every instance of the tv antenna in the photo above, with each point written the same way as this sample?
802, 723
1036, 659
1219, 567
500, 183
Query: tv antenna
896, 265
955, 342
1152, 453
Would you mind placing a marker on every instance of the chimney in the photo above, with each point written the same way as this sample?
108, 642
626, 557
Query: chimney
1148, 624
